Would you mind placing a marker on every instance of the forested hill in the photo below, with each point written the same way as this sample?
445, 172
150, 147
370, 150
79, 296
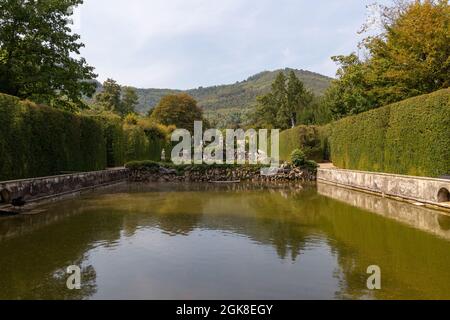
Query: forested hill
240, 95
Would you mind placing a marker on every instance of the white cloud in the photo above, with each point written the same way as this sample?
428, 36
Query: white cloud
188, 43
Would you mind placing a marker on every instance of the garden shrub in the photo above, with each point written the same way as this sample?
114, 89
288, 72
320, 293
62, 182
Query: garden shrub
137, 146
298, 158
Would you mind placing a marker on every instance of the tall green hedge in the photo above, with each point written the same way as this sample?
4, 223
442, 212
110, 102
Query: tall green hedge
306, 138
359, 142
411, 137
137, 143
115, 139
38, 141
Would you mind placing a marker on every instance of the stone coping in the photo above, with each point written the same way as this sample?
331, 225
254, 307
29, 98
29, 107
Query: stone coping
61, 175
386, 174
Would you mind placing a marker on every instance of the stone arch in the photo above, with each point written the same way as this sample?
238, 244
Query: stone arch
443, 195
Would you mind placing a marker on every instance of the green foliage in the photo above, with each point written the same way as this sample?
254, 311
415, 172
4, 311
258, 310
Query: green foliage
131, 119
154, 166
350, 93
180, 110
137, 144
40, 141
310, 165
324, 133
418, 136
130, 100
359, 140
316, 113
298, 158
280, 107
37, 50
158, 136
109, 98
410, 137
148, 165
305, 138
114, 137
409, 58
412, 56
227, 106
114, 98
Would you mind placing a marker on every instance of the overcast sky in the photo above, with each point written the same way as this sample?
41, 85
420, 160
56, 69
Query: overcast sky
183, 44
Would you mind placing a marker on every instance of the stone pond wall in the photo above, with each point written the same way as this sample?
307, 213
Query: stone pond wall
427, 190
37, 188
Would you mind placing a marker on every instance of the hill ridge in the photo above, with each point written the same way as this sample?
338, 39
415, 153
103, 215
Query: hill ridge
228, 103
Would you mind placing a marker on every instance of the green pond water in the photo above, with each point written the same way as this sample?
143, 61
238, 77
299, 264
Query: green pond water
187, 241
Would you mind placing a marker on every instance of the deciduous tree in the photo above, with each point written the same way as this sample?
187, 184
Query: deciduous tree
411, 56
39, 54
180, 110
109, 98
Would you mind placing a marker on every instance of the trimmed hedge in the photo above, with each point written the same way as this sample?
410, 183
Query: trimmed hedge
115, 139
137, 143
410, 137
359, 142
38, 141
305, 138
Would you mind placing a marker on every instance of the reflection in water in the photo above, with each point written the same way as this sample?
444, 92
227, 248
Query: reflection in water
421, 218
444, 223
243, 241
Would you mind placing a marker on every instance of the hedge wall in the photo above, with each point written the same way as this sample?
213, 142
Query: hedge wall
115, 139
137, 143
39, 141
306, 138
359, 142
411, 137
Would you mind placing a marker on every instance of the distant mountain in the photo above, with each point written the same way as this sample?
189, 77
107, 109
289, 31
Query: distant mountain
226, 105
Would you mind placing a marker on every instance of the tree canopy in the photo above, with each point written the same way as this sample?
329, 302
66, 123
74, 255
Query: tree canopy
109, 98
410, 57
120, 100
280, 107
38, 53
180, 110
130, 100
